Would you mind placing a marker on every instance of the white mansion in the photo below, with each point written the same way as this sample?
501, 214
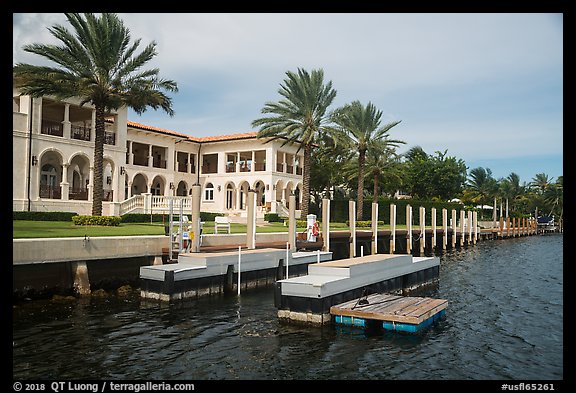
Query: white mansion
144, 166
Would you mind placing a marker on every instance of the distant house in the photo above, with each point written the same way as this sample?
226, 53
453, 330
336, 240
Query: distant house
144, 166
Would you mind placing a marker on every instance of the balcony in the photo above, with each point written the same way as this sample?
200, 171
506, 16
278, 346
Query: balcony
289, 169
230, 168
80, 132
182, 167
159, 163
260, 166
78, 194
279, 167
109, 138
52, 128
299, 170
50, 192
141, 160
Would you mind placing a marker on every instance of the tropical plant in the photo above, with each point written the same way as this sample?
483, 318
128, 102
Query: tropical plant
300, 117
360, 125
482, 184
541, 182
98, 63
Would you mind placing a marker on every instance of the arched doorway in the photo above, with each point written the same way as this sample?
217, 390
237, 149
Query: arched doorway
230, 199
181, 190
259, 187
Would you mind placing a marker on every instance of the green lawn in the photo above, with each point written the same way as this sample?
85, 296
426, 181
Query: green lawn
22, 229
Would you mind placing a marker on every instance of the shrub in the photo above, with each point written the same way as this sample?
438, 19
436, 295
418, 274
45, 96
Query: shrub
97, 220
364, 223
272, 217
43, 216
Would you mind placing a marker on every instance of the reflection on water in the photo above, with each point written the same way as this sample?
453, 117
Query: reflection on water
504, 321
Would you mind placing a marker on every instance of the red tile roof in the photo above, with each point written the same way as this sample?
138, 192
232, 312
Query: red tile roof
218, 138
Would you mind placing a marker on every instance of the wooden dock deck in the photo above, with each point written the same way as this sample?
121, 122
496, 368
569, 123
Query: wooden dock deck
400, 313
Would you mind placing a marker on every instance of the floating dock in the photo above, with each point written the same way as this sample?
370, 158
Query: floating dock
206, 273
308, 299
397, 313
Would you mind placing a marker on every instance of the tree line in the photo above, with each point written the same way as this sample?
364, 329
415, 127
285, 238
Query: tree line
354, 156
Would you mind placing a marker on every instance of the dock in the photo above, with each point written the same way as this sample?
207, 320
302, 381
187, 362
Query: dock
308, 298
398, 313
207, 273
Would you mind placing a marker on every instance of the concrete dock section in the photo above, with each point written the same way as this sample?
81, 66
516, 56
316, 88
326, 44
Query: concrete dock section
198, 274
309, 298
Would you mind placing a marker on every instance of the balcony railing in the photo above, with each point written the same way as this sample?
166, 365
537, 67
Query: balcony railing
109, 138
209, 169
158, 163
52, 128
78, 194
245, 168
80, 132
50, 192
141, 160
299, 170
289, 169
230, 168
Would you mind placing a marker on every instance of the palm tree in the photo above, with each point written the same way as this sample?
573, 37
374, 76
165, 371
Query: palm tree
361, 124
97, 63
541, 182
482, 184
300, 117
382, 165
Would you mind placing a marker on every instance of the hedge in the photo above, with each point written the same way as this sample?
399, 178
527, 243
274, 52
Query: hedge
140, 217
273, 217
111, 221
43, 216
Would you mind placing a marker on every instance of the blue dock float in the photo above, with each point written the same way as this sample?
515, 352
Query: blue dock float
398, 313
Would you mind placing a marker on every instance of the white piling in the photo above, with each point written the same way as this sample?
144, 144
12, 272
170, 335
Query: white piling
392, 228
287, 257
362, 250
317, 256
239, 263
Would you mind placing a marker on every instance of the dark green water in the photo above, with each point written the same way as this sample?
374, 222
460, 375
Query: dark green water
504, 321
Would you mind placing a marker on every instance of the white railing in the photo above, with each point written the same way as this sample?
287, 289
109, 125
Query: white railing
132, 203
161, 203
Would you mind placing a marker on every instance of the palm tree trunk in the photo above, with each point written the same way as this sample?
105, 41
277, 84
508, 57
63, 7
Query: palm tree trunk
98, 186
375, 196
360, 207
306, 182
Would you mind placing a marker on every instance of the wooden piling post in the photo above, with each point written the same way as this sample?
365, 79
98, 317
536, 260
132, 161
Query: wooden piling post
251, 220
408, 229
422, 241
507, 226
469, 226
326, 224
462, 223
196, 221
433, 246
374, 228
475, 224
453, 228
352, 220
445, 227
292, 222
392, 228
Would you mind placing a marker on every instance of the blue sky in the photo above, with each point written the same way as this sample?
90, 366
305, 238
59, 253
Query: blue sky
486, 87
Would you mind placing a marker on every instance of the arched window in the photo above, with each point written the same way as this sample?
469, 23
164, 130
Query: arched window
209, 192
